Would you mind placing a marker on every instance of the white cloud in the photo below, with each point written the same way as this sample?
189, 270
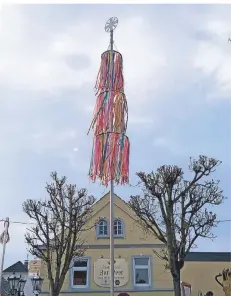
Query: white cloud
49, 61
209, 58
29, 61
213, 56
170, 145
140, 120
161, 142
59, 144
53, 140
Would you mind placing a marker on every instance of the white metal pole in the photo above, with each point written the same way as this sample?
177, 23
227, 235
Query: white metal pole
112, 259
6, 226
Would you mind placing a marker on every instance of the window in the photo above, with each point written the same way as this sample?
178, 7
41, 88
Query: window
141, 269
80, 273
118, 228
102, 228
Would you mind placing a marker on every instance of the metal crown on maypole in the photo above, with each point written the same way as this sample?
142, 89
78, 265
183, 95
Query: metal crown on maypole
110, 151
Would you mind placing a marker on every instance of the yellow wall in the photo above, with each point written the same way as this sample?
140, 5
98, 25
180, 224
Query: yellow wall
136, 242
134, 234
161, 279
201, 275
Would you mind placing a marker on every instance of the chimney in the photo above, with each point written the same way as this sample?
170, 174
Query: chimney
26, 264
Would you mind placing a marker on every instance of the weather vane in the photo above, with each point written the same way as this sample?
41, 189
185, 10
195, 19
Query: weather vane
111, 24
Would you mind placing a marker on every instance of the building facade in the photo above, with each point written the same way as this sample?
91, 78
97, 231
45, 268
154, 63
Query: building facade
138, 270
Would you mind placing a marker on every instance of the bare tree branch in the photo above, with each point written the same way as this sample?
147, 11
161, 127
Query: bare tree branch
56, 238
177, 211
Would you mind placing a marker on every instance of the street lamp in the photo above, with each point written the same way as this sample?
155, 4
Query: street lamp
21, 286
37, 283
16, 285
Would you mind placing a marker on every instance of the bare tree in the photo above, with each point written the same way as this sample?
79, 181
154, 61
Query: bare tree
176, 210
59, 223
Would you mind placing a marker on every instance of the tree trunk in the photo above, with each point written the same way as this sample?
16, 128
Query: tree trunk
54, 293
177, 284
175, 271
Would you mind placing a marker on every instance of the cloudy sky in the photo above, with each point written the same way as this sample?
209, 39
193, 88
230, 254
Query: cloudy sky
177, 62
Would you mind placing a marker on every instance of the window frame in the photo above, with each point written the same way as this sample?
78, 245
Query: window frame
122, 227
98, 235
83, 268
148, 267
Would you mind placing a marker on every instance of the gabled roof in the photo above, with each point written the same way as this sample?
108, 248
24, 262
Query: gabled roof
16, 267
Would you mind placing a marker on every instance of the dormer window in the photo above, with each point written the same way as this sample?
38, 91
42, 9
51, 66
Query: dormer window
102, 228
118, 228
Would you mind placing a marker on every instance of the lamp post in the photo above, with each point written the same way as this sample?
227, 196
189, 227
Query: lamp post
37, 283
16, 285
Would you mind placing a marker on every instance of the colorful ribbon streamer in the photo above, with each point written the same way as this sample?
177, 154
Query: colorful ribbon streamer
110, 151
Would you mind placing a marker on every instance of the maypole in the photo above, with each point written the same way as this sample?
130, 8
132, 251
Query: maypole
110, 151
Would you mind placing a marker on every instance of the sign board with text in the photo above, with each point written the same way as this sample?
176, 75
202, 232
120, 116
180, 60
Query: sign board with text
102, 272
34, 267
